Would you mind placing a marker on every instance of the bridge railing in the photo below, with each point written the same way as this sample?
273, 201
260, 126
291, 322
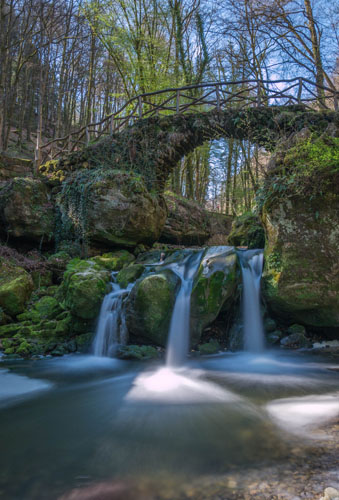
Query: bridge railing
190, 98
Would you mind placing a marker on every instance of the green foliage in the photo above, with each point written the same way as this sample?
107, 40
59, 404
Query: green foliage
247, 231
306, 169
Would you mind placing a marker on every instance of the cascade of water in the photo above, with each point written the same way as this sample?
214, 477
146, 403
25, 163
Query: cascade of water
251, 262
179, 333
111, 329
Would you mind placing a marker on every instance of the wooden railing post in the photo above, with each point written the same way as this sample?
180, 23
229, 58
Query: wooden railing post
335, 100
300, 89
218, 97
178, 102
140, 107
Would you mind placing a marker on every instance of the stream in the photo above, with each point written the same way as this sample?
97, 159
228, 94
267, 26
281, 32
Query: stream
78, 420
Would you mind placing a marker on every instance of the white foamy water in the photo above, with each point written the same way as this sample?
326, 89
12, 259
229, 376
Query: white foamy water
251, 267
179, 332
178, 387
13, 386
302, 414
111, 329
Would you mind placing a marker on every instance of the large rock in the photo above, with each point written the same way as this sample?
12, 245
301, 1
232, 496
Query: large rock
300, 214
220, 228
214, 289
247, 231
11, 167
85, 285
150, 305
16, 287
187, 222
26, 210
117, 209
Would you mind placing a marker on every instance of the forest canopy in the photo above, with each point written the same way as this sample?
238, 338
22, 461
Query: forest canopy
65, 64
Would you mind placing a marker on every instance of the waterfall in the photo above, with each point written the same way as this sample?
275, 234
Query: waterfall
251, 262
111, 329
179, 332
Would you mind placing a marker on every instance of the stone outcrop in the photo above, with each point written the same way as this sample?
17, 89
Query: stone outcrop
26, 210
151, 302
117, 210
247, 231
11, 167
16, 287
215, 288
150, 305
188, 223
300, 212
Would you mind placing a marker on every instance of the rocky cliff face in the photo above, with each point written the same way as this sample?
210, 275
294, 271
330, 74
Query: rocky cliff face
300, 213
26, 209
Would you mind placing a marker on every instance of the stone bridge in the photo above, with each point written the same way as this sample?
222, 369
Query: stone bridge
153, 146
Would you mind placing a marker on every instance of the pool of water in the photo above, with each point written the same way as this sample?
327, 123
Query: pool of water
78, 420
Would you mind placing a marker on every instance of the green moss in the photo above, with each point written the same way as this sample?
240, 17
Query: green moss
154, 301
150, 306
15, 289
211, 347
129, 274
141, 353
247, 231
310, 168
114, 261
48, 308
84, 342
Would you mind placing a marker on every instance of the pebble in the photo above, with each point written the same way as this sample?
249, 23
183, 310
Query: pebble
330, 494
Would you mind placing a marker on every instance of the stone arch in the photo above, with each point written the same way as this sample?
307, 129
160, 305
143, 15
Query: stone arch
154, 146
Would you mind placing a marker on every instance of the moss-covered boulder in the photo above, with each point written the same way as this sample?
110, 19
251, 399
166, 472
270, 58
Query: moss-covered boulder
16, 287
247, 231
211, 347
300, 212
85, 285
137, 352
150, 305
111, 208
26, 210
214, 289
114, 261
129, 274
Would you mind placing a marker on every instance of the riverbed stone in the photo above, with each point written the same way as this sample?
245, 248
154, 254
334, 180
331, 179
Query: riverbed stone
137, 352
114, 261
273, 338
270, 325
211, 347
85, 285
214, 288
150, 305
129, 274
16, 287
295, 341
